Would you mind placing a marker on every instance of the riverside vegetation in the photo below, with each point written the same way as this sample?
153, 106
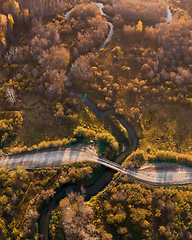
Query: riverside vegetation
144, 72
23, 192
125, 210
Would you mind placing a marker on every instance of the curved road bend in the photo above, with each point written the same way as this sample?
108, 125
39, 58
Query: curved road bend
157, 174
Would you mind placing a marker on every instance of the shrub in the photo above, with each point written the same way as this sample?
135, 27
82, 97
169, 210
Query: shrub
120, 128
79, 132
163, 156
109, 139
136, 159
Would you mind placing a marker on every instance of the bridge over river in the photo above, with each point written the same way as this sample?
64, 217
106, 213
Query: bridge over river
154, 174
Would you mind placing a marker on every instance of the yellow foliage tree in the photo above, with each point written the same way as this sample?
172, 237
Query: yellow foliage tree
3, 20
26, 13
16, 7
12, 7
3, 226
3, 25
139, 26
11, 21
3, 41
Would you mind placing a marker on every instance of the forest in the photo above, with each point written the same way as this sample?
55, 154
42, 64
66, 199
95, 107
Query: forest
49, 49
125, 210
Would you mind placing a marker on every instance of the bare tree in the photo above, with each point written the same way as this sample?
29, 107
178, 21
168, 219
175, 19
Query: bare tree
77, 217
10, 96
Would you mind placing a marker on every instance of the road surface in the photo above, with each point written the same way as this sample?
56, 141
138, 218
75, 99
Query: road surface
154, 174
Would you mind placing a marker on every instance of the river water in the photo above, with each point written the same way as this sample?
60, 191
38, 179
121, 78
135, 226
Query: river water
169, 15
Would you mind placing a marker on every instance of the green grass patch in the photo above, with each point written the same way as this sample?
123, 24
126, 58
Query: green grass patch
120, 128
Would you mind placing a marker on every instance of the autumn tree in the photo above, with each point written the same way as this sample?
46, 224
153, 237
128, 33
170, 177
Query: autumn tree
139, 26
77, 216
135, 10
118, 21
3, 29
40, 9
11, 7
49, 32
174, 52
84, 11
52, 83
54, 58
81, 68
25, 16
93, 35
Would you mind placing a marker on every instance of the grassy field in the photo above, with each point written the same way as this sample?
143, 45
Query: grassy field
158, 112
167, 127
39, 123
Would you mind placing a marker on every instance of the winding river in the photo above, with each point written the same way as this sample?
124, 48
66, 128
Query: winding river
103, 179
106, 176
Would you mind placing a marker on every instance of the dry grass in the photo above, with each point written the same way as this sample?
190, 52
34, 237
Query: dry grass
39, 123
167, 127
160, 126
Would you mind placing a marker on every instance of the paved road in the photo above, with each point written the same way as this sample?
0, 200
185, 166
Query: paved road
48, 158
155, 174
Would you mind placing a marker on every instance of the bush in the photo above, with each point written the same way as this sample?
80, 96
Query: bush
108, 145
79, 132
120, 128
136, 159
170, 157
10, 125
